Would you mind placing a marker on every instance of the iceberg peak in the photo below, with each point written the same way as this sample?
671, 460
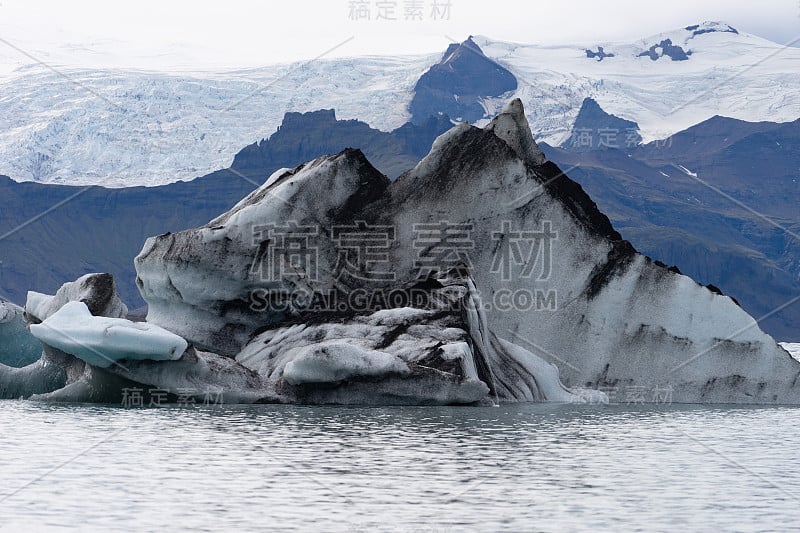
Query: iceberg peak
512, 127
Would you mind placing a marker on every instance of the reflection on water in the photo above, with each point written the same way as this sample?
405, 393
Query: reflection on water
527, 467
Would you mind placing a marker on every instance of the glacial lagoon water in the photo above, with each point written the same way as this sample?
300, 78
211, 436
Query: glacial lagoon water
509, 468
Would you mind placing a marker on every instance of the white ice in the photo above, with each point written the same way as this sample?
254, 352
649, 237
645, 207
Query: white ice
333, 362
41, 306
102, 341
547, 378
793, 348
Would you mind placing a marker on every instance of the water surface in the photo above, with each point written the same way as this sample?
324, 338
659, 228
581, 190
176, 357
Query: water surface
525, 467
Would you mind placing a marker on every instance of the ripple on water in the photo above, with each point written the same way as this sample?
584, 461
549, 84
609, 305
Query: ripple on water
542, 467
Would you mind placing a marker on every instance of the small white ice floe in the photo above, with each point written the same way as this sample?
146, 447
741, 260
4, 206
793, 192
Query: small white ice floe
102, 341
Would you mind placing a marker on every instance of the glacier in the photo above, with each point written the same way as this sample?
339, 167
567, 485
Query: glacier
793, 348
161, 126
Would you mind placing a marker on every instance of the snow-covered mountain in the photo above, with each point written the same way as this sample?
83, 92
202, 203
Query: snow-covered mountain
728, 73
124, 127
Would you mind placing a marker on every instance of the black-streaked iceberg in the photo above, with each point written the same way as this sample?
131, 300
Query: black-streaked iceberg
500, 281
610, 318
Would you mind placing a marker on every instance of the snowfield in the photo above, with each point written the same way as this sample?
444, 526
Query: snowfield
126, 128
135, 127
730, 74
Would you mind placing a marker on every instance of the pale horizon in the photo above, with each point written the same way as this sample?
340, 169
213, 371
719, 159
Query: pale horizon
241, 34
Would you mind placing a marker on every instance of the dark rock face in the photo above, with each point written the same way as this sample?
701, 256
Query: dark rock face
304, 136
666, 48
96, 229
418, 138
599, 55
456, 84
594, 129
697, 30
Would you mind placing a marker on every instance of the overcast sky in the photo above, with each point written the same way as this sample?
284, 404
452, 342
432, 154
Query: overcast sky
244, 32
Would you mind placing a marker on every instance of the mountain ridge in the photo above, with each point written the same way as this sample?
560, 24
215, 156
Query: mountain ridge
146, 128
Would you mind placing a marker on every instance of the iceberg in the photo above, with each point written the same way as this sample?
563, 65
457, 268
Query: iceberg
404, 356
334, 362
102, 341
73, 319
580, 299
41, 377
18, 347
498, 280
97, 291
